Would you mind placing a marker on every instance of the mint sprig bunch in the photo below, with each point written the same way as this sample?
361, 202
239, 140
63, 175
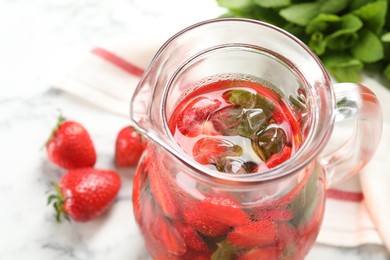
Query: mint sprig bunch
349, 36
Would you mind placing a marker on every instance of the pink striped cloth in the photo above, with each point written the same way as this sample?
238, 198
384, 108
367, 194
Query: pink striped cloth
356, 211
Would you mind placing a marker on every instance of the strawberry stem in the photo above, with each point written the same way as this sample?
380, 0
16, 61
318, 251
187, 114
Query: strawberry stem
60, 120
58, 200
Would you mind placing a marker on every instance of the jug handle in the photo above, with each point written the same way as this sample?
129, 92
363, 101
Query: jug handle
357, 103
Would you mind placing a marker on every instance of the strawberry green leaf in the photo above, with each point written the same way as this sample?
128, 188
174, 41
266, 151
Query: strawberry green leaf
57, 199
368, 48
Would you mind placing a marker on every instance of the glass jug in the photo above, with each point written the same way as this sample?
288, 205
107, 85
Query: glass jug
187, 210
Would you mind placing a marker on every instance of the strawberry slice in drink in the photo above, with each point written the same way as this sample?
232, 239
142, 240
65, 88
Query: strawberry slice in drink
193, 120
166, 235
192, 238
259, 233
203, 223
272, 213
279, 158
224, 210
159, 183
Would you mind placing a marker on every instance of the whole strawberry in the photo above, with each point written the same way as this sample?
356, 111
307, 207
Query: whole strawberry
70, 145
129, 147
84, 194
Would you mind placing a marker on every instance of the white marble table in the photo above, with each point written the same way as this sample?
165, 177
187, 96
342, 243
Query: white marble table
40, 41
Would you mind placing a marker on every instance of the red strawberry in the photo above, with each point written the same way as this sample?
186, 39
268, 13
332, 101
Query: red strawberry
278, 158
260, 233
159, 183
70, 145
287, 235
264, 253
192, 121
191, 238
272, 213
168, 236
215, 215
204, 223
129, 147
84, 194
224, 210
138, 184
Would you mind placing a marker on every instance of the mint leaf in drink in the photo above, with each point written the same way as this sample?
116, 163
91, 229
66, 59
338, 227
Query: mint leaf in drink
235, 165
249, 100
241, 98
226, 120
304, 205
256, 119
368, 48
224, 251
269, 142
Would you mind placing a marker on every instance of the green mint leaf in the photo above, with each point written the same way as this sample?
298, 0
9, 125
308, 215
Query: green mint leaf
300, 14
346, 35
343, 67
342, 41
268, 15
272, 3
332, 6
317, 43
386, 71
242, 98
373, 15
356, 4
249, 100
321, 23
224, 251
368, 48
269, 142
385, 37
234, 4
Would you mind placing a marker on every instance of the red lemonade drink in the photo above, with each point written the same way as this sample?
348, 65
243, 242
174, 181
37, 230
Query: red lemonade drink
236, 126
233, 126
